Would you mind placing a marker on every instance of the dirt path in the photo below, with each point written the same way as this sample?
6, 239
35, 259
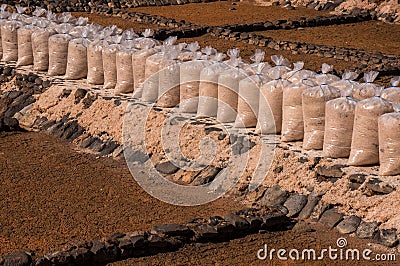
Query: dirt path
51, 195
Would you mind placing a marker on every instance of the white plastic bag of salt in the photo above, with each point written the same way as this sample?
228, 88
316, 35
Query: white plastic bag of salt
77, 53
347, 82
58, 50
109, 54
325, 76
125, 83
190, 72
389, 142
146, 41
9, 38
339, 121
392, 93
314, 101
40, 46
282, 65
271, 100
208, 87
365, 139
3, 19
292, 109
151, 83
169, 78
249, 91
95, 56
298, 73
366, 90
228, 89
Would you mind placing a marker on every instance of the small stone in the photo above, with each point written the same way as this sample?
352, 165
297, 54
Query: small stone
79, 95
157, 242
329, 173
302, 227
274, 196
331, 218
225, 228
80, 255
303, 159
167, 168
214, 220
386, 237
295, 204
349, 224
274, 218
357, 178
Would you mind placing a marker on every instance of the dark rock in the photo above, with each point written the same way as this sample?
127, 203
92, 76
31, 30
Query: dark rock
366, 229
206, 176
329, 173
157, 242
225, 228
274, 218
17, 259
97, 145
88, 100
295, 204
81, 255
172, 230
59, 257
303, 159
41, 261
386, 237
312, 201
167, 168
126, 247
331, 218
46, 84
66, 93
214, 220
375, 186
109, 147
135, 156
79, 95
103, 252
349, 224
274, 196
255, 222
240, 223
205, 232
11, 122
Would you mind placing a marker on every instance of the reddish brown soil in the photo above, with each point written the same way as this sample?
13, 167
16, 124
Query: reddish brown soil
244, 251
120, 22
218, 13
373, 36
51, 195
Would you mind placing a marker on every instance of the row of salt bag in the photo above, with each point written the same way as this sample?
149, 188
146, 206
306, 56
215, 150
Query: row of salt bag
249, 91
25, 52
389, 142
271, 97
208, 87
123, 62
365, 140
228, 86
151, 83
77, 67
292, 107
3, 18
392, 93
190, 72
95, 74
313, 103
339, 121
